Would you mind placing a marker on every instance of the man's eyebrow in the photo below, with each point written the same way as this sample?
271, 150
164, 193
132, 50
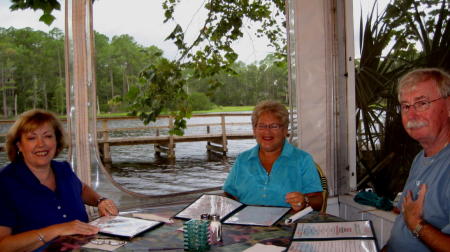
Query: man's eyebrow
422, 97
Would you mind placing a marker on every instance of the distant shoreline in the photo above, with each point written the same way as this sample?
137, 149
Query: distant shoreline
220, 109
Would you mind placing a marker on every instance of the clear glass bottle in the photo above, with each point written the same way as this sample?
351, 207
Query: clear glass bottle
215, 230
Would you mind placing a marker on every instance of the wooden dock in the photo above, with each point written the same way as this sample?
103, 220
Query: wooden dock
163, 143
215, 142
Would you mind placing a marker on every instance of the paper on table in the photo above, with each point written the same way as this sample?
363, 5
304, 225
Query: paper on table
257, 215
298, 215
334, 230
334, 245
123, 226
258, 247
154, 217
106, 247
210, 204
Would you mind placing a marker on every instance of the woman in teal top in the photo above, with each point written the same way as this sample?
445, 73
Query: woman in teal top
274, 172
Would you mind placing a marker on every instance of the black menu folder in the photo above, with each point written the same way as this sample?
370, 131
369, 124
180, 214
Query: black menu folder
349, 236
122, 226
232, 211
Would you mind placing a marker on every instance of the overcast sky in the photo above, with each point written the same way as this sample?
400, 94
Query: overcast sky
143, 20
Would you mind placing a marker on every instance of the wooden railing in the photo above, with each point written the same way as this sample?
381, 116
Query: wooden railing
166, 143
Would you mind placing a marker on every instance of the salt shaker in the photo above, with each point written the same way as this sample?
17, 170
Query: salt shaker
215, 230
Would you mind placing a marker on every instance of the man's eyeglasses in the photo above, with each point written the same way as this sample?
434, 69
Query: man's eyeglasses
418, 106
273, 126
100, 241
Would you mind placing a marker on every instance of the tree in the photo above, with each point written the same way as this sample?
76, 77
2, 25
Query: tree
210, 53
199, 101
8, 52
32, 69
424, 22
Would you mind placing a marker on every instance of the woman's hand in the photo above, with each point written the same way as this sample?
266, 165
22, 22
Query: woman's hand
76, 227
297, 200
33, 239
107, 207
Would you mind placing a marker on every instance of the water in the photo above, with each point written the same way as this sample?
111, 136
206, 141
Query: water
136, 167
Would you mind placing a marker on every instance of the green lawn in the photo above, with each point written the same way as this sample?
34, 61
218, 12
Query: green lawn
225, 109
215, 110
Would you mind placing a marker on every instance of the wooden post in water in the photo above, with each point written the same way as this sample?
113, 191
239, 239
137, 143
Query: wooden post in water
171, 153
106, 148
208, 143
224, 135
221, 146
157, 147
168, 148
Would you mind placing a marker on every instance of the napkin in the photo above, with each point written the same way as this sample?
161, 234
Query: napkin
106, 247
298, 215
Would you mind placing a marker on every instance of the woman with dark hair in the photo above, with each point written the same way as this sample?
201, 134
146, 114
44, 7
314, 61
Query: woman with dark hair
41, 198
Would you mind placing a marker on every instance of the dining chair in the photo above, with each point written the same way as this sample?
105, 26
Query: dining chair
324, 182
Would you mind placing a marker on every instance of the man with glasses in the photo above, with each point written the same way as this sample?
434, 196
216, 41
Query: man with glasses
274, 172
424, 220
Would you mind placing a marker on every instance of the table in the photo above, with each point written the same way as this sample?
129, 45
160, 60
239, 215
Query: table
169, 238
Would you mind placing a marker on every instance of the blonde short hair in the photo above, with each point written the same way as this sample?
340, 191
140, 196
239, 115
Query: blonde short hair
273, 107
27, 122
423, 74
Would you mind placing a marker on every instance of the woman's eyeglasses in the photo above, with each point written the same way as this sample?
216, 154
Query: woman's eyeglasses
100, 241
273, 126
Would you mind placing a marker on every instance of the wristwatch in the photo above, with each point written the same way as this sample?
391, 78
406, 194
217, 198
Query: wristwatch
417, 229
305, 202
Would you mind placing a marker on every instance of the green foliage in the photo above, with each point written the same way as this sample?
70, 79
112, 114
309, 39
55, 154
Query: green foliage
160, 87
223, 109
32, 63
210, 57
388, 43
200, 101
32, 70
211, 51
425, 22
249, 85
47, 6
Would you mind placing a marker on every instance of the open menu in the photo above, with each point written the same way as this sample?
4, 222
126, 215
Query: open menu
352, 236
232, 211
127, 227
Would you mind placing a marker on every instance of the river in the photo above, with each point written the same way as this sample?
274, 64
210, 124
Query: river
137, 168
